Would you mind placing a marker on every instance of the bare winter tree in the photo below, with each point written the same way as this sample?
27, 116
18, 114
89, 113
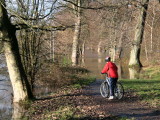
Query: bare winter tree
18, 78
77, 12
136, 45
29, 16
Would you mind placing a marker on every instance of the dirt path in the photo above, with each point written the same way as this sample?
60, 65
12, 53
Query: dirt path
129, 106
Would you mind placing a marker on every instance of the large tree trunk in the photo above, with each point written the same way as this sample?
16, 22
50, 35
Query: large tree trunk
16, 72
76, 34
136, 45
19, 91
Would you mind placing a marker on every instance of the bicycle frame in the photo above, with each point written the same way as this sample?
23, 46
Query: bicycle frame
104, 89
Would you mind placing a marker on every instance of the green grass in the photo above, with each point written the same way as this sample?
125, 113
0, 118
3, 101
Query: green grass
63, 113
152, 72
82, 81
148, 88
125, 118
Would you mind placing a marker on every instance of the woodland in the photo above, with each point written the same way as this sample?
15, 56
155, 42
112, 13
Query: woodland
37, 35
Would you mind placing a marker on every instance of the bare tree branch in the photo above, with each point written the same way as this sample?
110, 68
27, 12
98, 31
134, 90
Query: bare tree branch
97, 8
45, 28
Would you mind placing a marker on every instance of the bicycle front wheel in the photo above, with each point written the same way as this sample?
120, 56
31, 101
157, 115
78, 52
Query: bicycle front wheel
104, 89
119, 91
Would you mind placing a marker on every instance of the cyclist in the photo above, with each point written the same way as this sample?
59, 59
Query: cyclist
112, 71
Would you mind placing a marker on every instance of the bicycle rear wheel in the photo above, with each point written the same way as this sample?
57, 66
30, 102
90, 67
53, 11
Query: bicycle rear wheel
104, 89
119, 91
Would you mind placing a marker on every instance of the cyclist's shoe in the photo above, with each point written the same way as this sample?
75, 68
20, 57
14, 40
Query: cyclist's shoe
111, 98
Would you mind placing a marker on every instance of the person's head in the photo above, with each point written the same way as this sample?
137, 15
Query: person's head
107, 59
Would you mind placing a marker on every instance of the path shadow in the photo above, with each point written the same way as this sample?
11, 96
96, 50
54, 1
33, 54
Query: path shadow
94, 90
155, 113
97, 118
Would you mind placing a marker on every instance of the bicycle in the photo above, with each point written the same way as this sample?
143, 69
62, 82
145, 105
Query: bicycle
105, 92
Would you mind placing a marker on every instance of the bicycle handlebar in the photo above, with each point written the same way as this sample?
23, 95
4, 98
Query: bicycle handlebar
105, 73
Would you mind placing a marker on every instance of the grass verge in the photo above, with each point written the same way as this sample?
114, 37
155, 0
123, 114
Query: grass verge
147, 88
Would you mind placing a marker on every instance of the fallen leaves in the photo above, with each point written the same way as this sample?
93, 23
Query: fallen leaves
70, 104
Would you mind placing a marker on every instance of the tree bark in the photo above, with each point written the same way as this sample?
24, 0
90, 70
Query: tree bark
119, 47
145, 47
76, 36
16, 72
136, 45
99, 47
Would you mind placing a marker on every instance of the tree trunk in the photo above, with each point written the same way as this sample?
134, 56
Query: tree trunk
52, 46
76, 36
83, 49
136, 45
99, 49
19, 91
119, 48
16, 72
152, 24
18, 112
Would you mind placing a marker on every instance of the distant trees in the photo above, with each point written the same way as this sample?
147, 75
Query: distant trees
111, 28
151, 36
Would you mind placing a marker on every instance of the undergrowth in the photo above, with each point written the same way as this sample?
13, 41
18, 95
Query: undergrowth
59, 104
58, 76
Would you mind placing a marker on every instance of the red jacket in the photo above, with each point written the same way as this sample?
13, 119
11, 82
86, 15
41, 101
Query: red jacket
111, 69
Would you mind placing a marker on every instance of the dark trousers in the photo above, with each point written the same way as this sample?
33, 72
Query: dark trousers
112, 84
